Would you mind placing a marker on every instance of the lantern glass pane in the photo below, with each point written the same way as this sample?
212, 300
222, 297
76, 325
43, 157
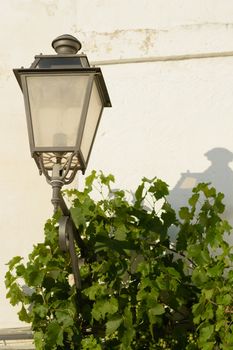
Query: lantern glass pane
56, 103
92, 120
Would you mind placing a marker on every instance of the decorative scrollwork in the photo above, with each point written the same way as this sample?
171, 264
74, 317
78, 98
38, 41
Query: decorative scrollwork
67, 244
60, 169
68, 161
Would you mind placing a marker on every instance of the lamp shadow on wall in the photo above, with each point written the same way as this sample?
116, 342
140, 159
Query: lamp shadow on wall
219, 174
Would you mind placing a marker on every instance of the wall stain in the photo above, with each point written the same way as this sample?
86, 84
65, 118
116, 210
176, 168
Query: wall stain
148, 42
194, 26
51, 6
27, 7
5, 73
142, 39
139, 41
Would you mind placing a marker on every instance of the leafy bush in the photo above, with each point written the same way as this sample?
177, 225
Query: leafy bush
139, 290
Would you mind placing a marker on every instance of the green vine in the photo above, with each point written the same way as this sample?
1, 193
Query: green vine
139, 290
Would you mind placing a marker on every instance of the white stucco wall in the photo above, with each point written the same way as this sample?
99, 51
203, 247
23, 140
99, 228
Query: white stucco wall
167, 113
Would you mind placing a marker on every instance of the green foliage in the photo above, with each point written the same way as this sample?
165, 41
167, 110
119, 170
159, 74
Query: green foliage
139, 290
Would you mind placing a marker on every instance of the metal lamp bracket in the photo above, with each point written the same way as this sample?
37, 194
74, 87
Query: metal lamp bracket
67, 230
66, 243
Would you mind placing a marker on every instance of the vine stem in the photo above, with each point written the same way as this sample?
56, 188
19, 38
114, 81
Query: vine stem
183, 255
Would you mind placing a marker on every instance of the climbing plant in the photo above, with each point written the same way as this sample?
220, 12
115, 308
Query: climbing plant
140, 289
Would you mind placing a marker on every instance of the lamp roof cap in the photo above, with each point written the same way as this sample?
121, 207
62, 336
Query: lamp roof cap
66, 44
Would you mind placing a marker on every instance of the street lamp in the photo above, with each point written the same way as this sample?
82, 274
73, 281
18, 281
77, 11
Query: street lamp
64, 98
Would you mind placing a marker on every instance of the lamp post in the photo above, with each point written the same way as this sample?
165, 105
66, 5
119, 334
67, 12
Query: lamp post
64, 98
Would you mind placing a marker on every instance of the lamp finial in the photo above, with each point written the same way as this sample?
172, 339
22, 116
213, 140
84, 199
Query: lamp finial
66, 44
